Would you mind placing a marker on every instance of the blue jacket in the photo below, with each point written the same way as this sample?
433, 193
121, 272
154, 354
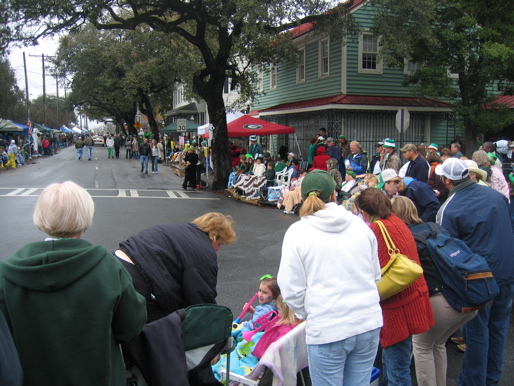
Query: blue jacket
418, 169
423, 197
479, 216
359, 162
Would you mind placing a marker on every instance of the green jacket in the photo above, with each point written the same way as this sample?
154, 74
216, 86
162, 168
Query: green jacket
68, 305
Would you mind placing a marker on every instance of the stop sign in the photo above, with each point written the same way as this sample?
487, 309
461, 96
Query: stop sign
402, 119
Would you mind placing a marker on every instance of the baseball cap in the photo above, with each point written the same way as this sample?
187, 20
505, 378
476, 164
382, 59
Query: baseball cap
384, 176
291, 154
453, 169
409, 147
342, 136
320, 181
330, 139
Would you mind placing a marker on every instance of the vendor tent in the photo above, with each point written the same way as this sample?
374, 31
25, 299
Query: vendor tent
191, 127
43, 128
6, 125
246, 125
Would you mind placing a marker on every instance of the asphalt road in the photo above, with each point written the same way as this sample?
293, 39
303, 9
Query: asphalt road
128, 201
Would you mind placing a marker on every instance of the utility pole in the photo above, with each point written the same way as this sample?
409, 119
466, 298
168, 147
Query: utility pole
26, 86
57, 92
42, 56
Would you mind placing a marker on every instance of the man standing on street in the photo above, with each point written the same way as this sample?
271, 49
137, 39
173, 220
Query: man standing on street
117, 144
418, 168
79, 145
479, 216
191, 159
110, 146
455, 149
89, 143
391, 158
144, 153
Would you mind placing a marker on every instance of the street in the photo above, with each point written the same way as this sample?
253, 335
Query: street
127, 201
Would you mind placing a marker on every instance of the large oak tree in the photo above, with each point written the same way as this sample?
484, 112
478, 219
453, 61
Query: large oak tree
465, 52
230, 36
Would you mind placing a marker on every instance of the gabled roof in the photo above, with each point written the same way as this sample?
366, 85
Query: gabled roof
307, 27
361, 102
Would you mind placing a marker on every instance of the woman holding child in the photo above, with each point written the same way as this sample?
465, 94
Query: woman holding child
333, 289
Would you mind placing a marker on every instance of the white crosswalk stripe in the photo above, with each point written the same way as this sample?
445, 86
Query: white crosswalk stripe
115, 193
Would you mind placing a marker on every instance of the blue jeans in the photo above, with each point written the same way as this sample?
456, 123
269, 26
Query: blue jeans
144, 163
396, 363
90, 152
351, 359
79, 152
155, 168
485, 336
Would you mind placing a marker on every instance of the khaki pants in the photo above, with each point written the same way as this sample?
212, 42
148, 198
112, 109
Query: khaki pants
429, 348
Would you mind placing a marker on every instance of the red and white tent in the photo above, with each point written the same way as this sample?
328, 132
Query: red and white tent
246, 125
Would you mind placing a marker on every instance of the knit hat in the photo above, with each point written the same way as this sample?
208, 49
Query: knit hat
388, 142
318, 181
473, 168
384, 176
253, 138
351, 173
453, 169
433, 146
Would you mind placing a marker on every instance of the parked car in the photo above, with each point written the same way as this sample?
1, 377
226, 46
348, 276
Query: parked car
98, 140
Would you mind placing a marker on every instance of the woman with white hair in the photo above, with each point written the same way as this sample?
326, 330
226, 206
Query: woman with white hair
69, 303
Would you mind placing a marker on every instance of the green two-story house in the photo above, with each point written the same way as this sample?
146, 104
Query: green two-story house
343, 86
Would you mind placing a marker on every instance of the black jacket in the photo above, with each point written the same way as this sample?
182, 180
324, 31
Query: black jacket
144, 149
177, 262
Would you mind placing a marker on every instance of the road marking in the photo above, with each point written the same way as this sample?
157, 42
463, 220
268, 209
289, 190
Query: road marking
116, 193
15, 192
96, 184
28, 192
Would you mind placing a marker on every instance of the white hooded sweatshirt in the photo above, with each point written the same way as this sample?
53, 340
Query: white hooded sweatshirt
328, 274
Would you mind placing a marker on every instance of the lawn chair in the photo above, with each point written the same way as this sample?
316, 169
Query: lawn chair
178, 349
284, 177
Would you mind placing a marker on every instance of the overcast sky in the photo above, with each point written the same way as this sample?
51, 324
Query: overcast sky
34, 68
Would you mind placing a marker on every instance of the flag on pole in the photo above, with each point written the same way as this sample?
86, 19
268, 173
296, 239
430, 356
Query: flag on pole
29, 124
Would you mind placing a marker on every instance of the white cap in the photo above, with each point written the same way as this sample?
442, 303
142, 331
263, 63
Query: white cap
453, 169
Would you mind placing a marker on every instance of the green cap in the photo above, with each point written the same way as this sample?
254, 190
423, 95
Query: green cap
342, 136
248, 155
351, 173
318, 181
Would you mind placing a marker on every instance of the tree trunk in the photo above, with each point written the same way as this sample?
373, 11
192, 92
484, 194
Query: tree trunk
211, 91
146, 108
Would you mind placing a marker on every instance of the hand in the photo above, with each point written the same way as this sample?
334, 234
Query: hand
349, 168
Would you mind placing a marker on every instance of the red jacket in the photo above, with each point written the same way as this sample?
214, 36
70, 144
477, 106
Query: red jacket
410, 311
320, 160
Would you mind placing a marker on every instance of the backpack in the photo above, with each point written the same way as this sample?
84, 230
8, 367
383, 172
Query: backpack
467, 281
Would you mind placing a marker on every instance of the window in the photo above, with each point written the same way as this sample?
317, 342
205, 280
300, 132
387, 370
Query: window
368, 54
300, 69
178, 96
324, 57
410, 67
273, 77
260, 80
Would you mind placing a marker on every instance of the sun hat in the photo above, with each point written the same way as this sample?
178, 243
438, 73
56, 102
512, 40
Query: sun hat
384, 176
453, 169
433, 146
253, 138
351, 173
388, 142
473, 168
409, 147
318, 181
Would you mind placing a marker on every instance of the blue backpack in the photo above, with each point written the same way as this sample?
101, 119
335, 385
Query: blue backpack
467, 281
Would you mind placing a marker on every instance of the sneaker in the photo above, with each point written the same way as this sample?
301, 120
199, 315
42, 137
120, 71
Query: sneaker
146, 172
461, 347
290, 212
457, 340
156, 172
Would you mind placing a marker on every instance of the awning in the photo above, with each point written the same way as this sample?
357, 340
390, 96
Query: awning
43, 128
191, 127
182, 110
246, 126
6, 125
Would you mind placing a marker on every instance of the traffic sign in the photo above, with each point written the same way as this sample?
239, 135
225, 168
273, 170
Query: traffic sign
402, 119
181, 125
138, 125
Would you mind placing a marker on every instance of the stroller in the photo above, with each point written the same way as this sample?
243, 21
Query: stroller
178, 349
